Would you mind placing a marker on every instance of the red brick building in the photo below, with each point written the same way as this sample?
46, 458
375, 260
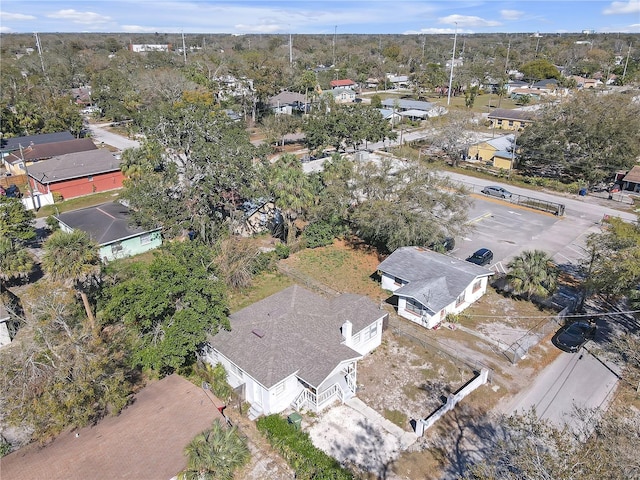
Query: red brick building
77, 174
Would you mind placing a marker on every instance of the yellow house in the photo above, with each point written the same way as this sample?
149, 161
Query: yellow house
497, 151
506, 119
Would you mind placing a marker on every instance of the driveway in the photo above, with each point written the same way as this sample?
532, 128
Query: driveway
101, 134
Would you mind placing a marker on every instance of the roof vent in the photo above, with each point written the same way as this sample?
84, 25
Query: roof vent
258, 332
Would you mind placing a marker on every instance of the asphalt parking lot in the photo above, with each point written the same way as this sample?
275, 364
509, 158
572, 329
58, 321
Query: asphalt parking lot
508, 230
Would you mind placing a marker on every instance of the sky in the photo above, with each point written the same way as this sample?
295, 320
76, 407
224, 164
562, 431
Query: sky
320, 17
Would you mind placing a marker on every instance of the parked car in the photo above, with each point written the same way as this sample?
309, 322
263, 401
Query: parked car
572, 337
496, 192
481, 257
444, 245
12, 191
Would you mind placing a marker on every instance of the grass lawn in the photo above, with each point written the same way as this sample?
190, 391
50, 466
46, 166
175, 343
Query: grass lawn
263, 285
76, 203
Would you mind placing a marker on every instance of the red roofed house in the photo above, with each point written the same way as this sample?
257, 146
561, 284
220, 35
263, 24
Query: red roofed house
76, 174
346, 83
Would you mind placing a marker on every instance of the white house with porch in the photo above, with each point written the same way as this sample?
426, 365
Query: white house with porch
297, 349
430, 285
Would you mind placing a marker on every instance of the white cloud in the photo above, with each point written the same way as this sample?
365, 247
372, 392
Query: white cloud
631, 6
511, 14
435, 31
147, 29
85, 18
6, 16
468, 21
261, 28
5, 30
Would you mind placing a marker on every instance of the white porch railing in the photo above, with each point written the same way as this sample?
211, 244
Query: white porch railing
309, 400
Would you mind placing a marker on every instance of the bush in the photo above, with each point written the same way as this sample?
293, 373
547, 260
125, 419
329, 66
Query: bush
282, 251
319, 234
296, 447
52, 223
57, 197
264, 262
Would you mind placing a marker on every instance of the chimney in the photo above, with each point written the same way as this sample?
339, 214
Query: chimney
347, 328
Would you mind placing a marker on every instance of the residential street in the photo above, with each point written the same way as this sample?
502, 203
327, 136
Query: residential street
101, 134
572, 380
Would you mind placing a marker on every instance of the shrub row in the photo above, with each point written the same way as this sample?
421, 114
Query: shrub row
297, 449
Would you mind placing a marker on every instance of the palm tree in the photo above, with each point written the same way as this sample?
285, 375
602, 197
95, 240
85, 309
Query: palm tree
73, 257
215, 454
532, 273
15, 261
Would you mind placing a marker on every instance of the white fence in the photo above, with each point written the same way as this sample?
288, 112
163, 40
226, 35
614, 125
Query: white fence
37, 201
452, 400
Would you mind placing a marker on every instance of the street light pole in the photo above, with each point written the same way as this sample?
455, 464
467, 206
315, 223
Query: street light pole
453, 58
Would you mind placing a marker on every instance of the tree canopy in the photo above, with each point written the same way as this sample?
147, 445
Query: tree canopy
169, 306
586, 139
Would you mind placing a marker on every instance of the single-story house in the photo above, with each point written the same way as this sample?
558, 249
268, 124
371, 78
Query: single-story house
507, 119
390, 115
15, 162
515, 84
146, 441
631, 181
398, 81
413, 106
296, 349
76, 174
110, 226
343, 95
430, 285
13, 144
287, 102
344, 83
82, 95
584, 83
518, 93
372, 82
548, 86
493, 151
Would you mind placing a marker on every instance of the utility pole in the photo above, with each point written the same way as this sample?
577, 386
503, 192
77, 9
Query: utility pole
626, 63
40, 53
453, 58
335, 31
424, 42
290, 50
184, 49
26, 171
506, 63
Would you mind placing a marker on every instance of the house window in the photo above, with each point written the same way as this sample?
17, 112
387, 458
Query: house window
145, 239
371, 332
397, 281
414, 306
356, 338
499, 122
90, 178
476, 286
116, 247
511, 123
460, 300
279, 389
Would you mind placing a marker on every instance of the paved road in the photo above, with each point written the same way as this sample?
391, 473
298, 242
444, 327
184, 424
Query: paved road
573, 379
101, 134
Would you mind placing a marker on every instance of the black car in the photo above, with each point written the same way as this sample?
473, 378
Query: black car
12, 191
573, 336
496, 192
445, 245
481, 257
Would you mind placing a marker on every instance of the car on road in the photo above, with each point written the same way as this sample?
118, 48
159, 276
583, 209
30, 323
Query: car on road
495, 191
572, 337
11, 191
481, 257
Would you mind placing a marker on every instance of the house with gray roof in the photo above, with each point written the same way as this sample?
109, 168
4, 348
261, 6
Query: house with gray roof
296, 349
110, 226
287, 102
414, 108
430, 285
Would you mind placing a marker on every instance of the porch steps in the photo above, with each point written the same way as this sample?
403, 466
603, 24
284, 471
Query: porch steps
348, 394
254, 412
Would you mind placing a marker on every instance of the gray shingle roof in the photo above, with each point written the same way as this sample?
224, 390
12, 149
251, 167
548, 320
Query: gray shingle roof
53, 149
287, 98
12, 144
507, 114
435, 280
74, 165
407, 104
294, 331
105, 224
